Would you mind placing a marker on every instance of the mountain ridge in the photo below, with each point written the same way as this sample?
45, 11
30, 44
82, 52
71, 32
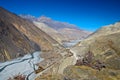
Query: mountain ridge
65, 31
22, 31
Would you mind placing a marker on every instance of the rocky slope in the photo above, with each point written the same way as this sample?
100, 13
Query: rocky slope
50, 31
95, 58
106, 36
19, 36
73, 34
13, 41
55, 24
104, 59
62, 32
70, 31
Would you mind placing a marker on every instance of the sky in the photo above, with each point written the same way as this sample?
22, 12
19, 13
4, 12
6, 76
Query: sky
86, 14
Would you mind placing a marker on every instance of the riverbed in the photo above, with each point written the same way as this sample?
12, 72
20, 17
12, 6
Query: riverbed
24, 65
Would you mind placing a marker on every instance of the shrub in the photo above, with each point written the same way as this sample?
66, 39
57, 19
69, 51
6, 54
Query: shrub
90, 61
18, 77
87, 60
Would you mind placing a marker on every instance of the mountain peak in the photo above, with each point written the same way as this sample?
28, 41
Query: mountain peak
44, 18
28, 17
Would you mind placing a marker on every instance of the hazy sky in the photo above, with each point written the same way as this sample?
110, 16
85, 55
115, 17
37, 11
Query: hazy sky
87, 14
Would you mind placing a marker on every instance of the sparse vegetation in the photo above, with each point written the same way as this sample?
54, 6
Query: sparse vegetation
18, 77
89, 60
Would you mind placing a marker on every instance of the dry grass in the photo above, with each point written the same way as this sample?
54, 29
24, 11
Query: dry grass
18, 77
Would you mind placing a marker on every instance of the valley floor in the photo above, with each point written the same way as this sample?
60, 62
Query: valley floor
24, 65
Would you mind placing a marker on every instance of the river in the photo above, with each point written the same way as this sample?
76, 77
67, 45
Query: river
24, 65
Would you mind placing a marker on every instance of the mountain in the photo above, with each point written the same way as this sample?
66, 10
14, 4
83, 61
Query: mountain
63, 32
103, 33
74, 34
95, 58
28, 17
103, 54
50, 31
70, 31
19, 37
55, 24
108, 29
